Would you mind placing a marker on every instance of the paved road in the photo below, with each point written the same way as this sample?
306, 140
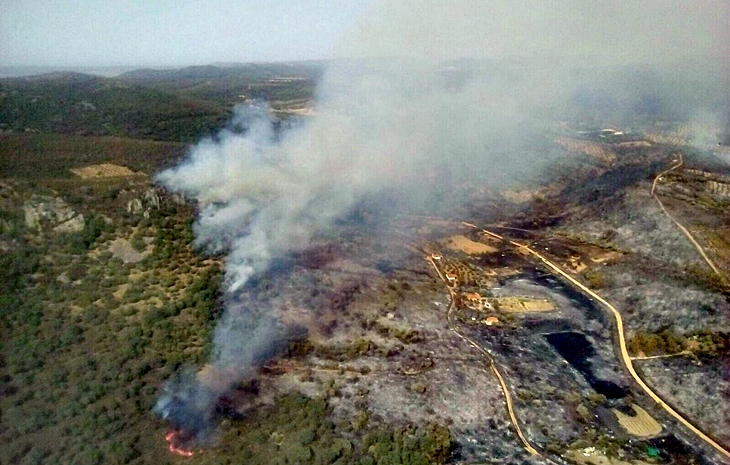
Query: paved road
622, 344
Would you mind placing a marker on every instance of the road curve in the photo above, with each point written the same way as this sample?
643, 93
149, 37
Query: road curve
684, 230
492, 365
622, 344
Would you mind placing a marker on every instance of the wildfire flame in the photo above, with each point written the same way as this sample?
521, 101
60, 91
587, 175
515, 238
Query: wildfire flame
170, 437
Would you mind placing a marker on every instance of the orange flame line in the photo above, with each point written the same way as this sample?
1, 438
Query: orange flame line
169, 437
182, 452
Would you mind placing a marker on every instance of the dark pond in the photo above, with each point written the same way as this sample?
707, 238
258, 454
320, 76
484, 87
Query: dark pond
577, 350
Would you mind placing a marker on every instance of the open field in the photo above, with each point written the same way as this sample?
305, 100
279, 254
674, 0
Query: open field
34, 156
466, 245
641, 424
104, 170
523, 304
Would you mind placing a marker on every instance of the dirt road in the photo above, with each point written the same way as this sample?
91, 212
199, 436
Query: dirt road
492, 364
684, 230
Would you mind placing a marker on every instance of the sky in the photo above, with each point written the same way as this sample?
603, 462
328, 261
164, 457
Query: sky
618, 30
188, 32
170, 32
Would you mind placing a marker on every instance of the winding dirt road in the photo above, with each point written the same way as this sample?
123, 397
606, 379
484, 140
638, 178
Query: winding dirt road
492, 364
684, 230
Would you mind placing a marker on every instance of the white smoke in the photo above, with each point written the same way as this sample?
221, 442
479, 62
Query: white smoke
389, 123
380, 124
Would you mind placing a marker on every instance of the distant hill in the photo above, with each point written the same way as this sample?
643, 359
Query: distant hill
20, 71
76, 103
59, 76
179, 105
251, 72
157, 75
231, 83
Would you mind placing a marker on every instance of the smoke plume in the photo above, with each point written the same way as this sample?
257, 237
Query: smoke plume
451, 96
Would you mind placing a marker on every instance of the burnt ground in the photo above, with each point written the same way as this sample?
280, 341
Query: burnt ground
659, 281
683, 379
561, 366
378, 347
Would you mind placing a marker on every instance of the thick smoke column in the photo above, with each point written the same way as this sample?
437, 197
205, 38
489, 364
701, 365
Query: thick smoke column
381, 125
385, 123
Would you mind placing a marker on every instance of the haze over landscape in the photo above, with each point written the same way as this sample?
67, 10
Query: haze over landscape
308, 178
162, 33
263, 222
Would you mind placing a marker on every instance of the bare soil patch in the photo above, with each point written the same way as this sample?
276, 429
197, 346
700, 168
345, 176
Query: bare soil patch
122, 249
466, 245
518, 197
524, 304
593, 149
104, 170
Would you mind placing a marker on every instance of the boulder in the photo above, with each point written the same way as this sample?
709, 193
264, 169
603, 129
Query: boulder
75, 224
151, 199
134, 206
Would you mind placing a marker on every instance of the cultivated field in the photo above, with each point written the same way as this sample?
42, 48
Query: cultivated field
641, 424
104, 170
466, 245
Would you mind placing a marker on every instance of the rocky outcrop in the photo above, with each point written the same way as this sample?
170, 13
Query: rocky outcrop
151, 200
43, 211
135, 206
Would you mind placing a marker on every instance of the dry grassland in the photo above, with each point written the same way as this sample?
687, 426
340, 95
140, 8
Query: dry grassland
518, 197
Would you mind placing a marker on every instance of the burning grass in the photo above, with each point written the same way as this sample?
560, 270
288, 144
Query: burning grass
293, 428
178, 443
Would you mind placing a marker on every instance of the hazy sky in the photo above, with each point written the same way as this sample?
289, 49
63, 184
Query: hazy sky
621, 30
178, 32
170, 32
